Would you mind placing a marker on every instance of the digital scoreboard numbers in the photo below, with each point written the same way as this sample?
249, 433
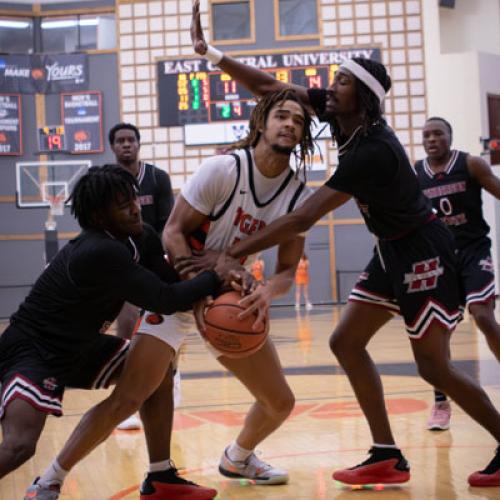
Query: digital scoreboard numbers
193, 91
51, 139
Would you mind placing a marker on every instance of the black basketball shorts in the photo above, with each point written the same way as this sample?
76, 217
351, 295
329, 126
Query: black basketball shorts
415, 276
29, 373
477, 275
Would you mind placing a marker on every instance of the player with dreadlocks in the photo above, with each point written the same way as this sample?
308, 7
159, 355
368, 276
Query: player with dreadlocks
57, 338
227, 199
412, 271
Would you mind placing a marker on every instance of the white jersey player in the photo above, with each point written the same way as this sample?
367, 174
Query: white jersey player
227, 199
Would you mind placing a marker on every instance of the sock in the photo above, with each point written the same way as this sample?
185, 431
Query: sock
53, 475
161, 466
236, 453
386, 446
439, 396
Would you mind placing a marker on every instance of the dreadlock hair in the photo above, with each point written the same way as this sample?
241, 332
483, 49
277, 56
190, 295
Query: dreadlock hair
367, 100
445, 122
258, 121
98, 189
122, 126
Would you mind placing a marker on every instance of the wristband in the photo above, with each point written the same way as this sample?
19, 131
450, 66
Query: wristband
213, 55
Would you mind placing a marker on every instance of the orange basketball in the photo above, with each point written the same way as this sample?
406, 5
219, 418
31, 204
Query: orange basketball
231, 336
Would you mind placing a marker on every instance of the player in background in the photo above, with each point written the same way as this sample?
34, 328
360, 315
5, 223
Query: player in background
374, 170
57, 338
302, 283
258, 268
227, 199
454, 180
156, 199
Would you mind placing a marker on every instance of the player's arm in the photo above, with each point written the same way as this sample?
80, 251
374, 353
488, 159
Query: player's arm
183, 221
164, 198
256, 81
482, 172
289, 253
322, 201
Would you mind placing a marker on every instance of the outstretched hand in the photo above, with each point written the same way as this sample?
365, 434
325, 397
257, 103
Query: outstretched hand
196, 263
197, 36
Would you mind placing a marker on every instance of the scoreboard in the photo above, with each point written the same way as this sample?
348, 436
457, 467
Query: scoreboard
193, 91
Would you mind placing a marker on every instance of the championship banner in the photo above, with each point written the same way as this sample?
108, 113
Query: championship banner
81, 115
43, 74
11, 139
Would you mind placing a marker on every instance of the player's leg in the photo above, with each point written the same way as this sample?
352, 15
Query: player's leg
479, 286
126, 321
431, 354
309, 306
261, 373
358, 324
484, 316
144, 373
440, 416
22, 425
298, 286
371, 305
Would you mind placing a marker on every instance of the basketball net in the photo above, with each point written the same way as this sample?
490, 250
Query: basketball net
56, 207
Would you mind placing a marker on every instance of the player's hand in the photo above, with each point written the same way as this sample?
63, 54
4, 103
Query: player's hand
197, 262
197, 36
228, 269
199, 312
258, 301
244, 282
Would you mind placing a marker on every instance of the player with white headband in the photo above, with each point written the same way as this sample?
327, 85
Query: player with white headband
412, 272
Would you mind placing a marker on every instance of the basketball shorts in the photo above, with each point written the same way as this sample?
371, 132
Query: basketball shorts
415, 276
172, 329
29, 373
477, 274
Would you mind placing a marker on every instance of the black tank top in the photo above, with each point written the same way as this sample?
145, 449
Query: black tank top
456, 196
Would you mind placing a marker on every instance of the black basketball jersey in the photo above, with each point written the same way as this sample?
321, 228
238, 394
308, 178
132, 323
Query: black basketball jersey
155, 195
374, 168
83, 289
456, 196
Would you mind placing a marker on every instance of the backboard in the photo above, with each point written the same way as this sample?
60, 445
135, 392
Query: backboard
48, 184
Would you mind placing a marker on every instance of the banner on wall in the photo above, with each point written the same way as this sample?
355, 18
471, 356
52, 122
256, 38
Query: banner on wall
43, 74
81, 115
11, 140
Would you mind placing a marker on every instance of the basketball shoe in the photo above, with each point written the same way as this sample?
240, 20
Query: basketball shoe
489, 476
168, 485
39, 492
131, 423
252, 468
439, 419
384, 466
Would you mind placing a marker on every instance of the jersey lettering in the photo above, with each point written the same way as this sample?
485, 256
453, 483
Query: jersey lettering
247, 224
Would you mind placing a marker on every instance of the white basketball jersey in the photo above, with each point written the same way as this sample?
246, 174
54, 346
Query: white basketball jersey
243, 212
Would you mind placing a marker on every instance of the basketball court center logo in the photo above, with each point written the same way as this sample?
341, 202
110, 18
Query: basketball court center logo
424, 276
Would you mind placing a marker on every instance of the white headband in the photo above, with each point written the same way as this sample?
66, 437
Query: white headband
367, 78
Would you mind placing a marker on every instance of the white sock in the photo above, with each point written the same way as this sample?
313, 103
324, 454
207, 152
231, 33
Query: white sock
54, 474
387, 446
160, 466
236, 453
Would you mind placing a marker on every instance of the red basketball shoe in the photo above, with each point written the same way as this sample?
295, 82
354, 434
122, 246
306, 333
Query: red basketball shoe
167, 485
385, 466
489, 476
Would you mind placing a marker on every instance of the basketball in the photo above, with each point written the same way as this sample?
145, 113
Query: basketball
231, 336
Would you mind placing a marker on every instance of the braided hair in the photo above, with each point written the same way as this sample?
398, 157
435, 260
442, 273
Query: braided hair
367, 100
258, 121
98, 189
